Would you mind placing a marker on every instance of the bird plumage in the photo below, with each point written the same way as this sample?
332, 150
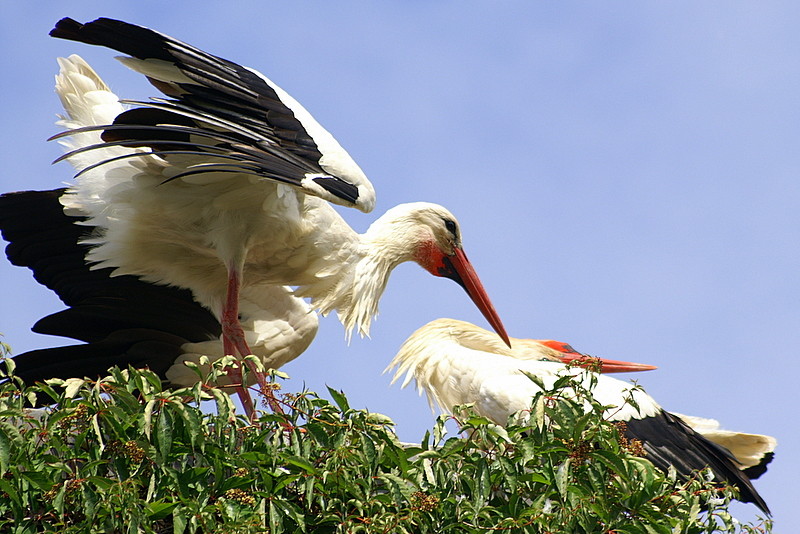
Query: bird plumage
753, 452
455, 363
123, 320
223, 188
170, 211
267, 132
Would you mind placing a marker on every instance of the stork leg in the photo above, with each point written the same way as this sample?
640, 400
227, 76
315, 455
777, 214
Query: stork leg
233, 341
237, 378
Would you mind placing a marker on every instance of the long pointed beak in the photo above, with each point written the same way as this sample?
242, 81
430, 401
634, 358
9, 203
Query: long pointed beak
605, 366
464, 274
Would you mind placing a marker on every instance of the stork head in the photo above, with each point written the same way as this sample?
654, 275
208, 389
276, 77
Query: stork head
430, 235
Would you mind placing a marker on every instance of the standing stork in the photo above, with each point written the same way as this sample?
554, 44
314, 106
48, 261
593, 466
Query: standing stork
224, 189
456, 363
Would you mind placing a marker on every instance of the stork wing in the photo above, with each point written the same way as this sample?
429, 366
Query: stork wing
233, 118
123, 320
667, 440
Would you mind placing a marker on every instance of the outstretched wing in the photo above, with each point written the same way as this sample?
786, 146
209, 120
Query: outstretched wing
229, 118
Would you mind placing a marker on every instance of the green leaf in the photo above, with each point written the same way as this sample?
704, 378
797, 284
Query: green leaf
534, 477
148, 417
47, 388
224, 404
275, 518
7, 488
652, 528
72, 386
612, 460
5, 451
300, 462
379, 419
291, 511
102, 483
285, 481
562, 477
477, 420
319, 432
399, 488
339, 398
179, 520
96, 428
429, 476
38, 479
192, 422
164, 432
368, 448
480, 491
160, 509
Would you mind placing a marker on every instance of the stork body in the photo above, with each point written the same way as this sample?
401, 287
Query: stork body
456, 363
223, 188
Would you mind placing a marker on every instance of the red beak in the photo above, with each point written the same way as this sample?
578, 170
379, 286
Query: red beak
457, 267
605, 366
570, 355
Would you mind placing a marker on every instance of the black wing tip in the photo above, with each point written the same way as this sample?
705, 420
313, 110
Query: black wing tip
339, 188
760, 468
72, 30
131, 39
66, 28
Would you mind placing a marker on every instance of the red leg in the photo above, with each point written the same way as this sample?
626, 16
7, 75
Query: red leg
235, 374
232, 333
233, 341
233, 338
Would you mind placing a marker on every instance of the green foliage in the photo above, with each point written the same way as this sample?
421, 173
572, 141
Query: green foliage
123, 455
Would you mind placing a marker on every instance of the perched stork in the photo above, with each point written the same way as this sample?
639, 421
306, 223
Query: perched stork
224, 189
456, 363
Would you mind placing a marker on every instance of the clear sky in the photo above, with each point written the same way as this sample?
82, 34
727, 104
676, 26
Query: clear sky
626, 175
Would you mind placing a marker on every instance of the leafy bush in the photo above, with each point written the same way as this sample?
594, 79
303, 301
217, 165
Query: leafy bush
123, 455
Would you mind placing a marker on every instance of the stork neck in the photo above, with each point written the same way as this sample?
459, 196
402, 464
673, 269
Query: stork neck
388, 242
370, 277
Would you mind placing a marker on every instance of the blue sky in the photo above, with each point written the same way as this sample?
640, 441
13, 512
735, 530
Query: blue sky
625, 175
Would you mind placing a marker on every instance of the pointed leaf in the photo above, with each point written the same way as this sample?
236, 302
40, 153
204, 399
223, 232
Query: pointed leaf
339, 398
300, 462
5, 451
72, 386
562, 477
148, 417
164, 432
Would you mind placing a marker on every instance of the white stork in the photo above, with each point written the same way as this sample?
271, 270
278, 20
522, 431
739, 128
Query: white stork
457, 363
224, 188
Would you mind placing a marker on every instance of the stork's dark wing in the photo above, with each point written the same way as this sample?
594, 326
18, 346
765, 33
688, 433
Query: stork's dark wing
122, 319
233, 118
669, 441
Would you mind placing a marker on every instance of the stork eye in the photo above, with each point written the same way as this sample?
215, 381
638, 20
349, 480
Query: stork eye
451, 226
